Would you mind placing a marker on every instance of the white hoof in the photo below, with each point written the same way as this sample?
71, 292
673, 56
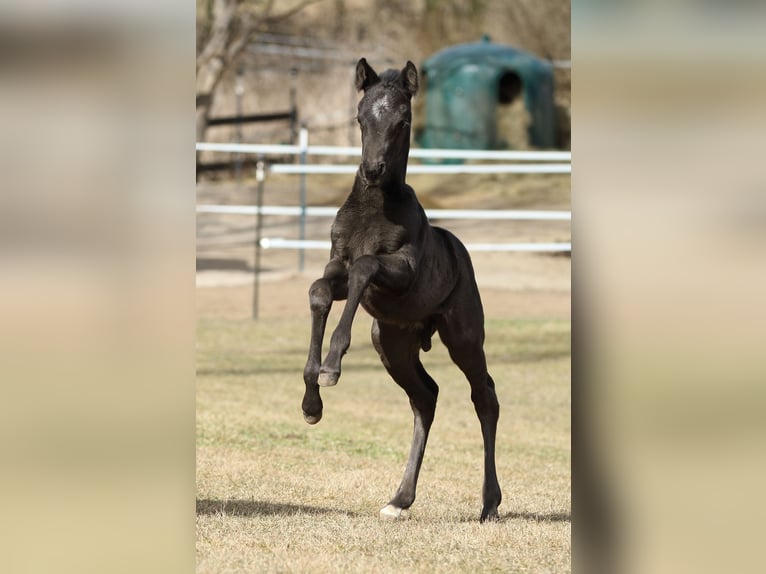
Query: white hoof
391, 512
327, 379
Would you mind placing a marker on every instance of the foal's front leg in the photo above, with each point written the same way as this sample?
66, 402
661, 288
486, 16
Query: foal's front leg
331, 287
394, 272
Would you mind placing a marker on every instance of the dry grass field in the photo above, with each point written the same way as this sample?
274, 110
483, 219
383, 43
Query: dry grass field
277, 495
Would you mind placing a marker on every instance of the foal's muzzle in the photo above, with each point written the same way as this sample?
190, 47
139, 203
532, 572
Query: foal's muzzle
373, 171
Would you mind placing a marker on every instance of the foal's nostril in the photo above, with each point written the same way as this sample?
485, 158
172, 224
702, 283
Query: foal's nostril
373, 171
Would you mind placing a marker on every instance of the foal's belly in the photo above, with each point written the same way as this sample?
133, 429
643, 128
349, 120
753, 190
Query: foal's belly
421, 301
401, 309
434, 280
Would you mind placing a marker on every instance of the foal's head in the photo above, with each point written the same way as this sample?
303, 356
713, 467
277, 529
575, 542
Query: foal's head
385, 114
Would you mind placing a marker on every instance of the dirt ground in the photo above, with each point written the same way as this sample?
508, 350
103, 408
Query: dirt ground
513, 285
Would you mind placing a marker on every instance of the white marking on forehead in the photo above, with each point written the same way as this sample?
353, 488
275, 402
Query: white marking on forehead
380, 106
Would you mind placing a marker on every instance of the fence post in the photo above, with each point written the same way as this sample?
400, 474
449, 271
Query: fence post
260, 176
303, 143
239, 90
293, 106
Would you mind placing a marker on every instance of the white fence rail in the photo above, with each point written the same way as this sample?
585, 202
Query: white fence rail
431, 213
340, 151
292, 168
302, 211
493, 155
279, 243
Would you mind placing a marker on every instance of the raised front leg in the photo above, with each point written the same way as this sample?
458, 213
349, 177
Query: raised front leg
331, 287
394, 272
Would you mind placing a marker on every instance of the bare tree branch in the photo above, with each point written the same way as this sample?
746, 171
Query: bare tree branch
240, 41
234, 24
224, 12
287, 13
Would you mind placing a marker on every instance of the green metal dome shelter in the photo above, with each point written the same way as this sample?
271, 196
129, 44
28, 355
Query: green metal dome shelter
470, 88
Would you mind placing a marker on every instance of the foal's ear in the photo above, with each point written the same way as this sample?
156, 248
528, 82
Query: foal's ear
409, 77
365, 75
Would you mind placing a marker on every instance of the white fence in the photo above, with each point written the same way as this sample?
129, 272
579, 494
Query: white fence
431, 213
279, 243
493, 155
303, 149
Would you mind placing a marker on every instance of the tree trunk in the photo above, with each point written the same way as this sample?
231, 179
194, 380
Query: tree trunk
233, 24
213, 60
208, 76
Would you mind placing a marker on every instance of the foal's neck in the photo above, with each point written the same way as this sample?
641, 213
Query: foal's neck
397, 166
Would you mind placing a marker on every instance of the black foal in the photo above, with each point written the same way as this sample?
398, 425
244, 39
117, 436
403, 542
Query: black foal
413, 278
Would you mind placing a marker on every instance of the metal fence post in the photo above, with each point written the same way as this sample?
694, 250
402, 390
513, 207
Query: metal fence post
260, 176
239, 90
303, 143
293, 106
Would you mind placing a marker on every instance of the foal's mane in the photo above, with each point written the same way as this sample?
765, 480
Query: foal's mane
389, 76
391, 79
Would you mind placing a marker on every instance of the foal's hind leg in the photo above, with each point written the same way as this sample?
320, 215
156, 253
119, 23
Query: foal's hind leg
399, 349
463, 336
331, 287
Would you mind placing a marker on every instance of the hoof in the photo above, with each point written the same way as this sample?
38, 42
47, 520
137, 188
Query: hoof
391, 512
489, 516
327, 379
312, 419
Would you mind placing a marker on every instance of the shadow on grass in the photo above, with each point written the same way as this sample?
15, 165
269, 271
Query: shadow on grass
537, 516
260, 508
207, 507
296, 369
219, 264
540, 517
